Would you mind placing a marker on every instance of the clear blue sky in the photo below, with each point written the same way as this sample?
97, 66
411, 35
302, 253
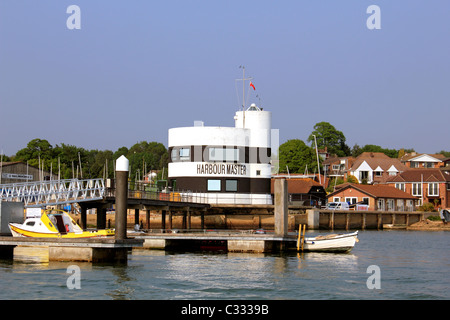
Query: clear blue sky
137, 68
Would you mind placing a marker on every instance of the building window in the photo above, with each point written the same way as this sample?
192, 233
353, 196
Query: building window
223, 154
185, 154
351, 200
400, 186
336, 199
433, 189
180, 154
380, 204
416, 189
231, 185
390, 204
214, 185
364, 175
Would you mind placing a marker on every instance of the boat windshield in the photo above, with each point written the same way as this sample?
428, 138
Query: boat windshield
332, 205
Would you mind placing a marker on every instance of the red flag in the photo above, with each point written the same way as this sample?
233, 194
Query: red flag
252, 85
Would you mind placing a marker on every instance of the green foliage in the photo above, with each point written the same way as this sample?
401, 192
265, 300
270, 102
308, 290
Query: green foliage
427, 207
65, 159
296, 155
356, 151
327, 136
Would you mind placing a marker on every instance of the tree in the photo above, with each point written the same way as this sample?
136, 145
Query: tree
296, 155
327, 136
392, 153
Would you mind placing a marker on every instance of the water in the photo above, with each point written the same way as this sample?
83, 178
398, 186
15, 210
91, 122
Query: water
412, 264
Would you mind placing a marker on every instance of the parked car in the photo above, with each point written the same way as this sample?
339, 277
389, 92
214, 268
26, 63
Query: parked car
337, 206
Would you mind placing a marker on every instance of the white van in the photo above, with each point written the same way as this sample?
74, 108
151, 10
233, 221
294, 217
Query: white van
337, 206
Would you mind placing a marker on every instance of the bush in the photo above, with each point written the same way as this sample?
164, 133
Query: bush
427, 207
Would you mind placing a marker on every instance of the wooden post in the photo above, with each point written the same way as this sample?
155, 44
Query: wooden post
170, 219
163, 219
83, 217
281, 207
136, 216
188, 218
347, 221
378, 221
331, 220
101, 218
363, 227
202, 219
147, 218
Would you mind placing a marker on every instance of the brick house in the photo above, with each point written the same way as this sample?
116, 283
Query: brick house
426, 185
375, 167
423, 160
337, 166
378, 197
304, 191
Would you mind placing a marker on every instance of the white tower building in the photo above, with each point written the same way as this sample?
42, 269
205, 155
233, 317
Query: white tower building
224, 164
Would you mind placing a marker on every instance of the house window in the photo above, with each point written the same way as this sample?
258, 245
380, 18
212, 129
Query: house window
365, 200
433, 189
380, 204
363, 175
378, 173
336, 199
214, 185
336, 167
390, 204
416, 189
231, 185
351, 200
400, 186
409, 205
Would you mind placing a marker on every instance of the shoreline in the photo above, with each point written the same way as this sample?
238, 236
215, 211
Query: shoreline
423, 225
428, 225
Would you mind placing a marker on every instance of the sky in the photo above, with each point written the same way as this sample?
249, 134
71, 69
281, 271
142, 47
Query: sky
134, 69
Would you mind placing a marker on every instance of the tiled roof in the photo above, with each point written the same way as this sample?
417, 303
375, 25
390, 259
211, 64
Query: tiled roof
298, 185
421, 174
378, 159
410, 156
376, 191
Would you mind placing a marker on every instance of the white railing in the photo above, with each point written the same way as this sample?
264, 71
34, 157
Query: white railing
52, 192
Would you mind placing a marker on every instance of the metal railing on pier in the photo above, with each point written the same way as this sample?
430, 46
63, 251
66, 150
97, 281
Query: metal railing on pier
53, 192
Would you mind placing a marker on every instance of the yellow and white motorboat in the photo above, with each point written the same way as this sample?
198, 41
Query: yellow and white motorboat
54, 224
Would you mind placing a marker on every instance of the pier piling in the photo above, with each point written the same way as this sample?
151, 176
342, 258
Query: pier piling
281, 207
121, 197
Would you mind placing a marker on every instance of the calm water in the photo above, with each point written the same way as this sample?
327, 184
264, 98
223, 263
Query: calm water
413, 265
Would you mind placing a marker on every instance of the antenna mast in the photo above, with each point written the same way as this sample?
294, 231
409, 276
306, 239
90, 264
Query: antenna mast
243, 93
